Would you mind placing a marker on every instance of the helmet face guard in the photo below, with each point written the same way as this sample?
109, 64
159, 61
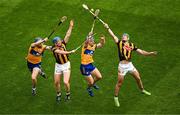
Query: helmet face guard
90, 36
90, 39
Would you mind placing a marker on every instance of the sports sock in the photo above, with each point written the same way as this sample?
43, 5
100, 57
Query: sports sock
33, 88
89, 89
68, 93
58, 93
116, 100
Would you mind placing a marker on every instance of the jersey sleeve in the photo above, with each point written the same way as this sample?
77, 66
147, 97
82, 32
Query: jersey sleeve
118, 42
64, 42
44, 47
95, 46
53, 49
134, 47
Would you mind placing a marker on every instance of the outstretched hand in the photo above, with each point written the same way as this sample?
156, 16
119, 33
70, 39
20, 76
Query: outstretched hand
72, 51
102, 37
154, 53
72, 23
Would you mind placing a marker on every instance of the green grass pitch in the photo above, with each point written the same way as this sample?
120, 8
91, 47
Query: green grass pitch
152, 25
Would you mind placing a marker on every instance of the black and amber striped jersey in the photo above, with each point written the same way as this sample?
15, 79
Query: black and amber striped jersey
125, 50
60, 58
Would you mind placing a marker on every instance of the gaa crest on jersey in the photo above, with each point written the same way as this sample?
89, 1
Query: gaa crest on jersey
127, 47
35, 53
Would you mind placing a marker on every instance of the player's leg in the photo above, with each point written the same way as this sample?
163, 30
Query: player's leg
117, 88
86, 71
90, 82
122, 70
118, 84
34, 75
137, 77
57, 79
42, 73
97, 76
67, 83
134, 72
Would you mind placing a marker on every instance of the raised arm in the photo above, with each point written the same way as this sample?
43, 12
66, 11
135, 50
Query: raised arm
39, 42
68, 33
102, 42
145, 53
115, 38
64, 52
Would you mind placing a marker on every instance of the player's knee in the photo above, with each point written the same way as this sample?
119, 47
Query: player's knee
33, 78
100, 77
138, 79
56, 83
66, 83
91, 83
119, 83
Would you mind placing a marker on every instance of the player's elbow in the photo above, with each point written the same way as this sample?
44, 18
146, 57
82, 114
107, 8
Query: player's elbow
144, 53
116, 41
100, 45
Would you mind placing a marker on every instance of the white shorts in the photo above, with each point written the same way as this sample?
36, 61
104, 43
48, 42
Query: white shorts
60, 68
125, 68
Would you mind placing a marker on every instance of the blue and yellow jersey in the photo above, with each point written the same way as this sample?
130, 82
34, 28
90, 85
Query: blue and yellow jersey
87, 54
35, 54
